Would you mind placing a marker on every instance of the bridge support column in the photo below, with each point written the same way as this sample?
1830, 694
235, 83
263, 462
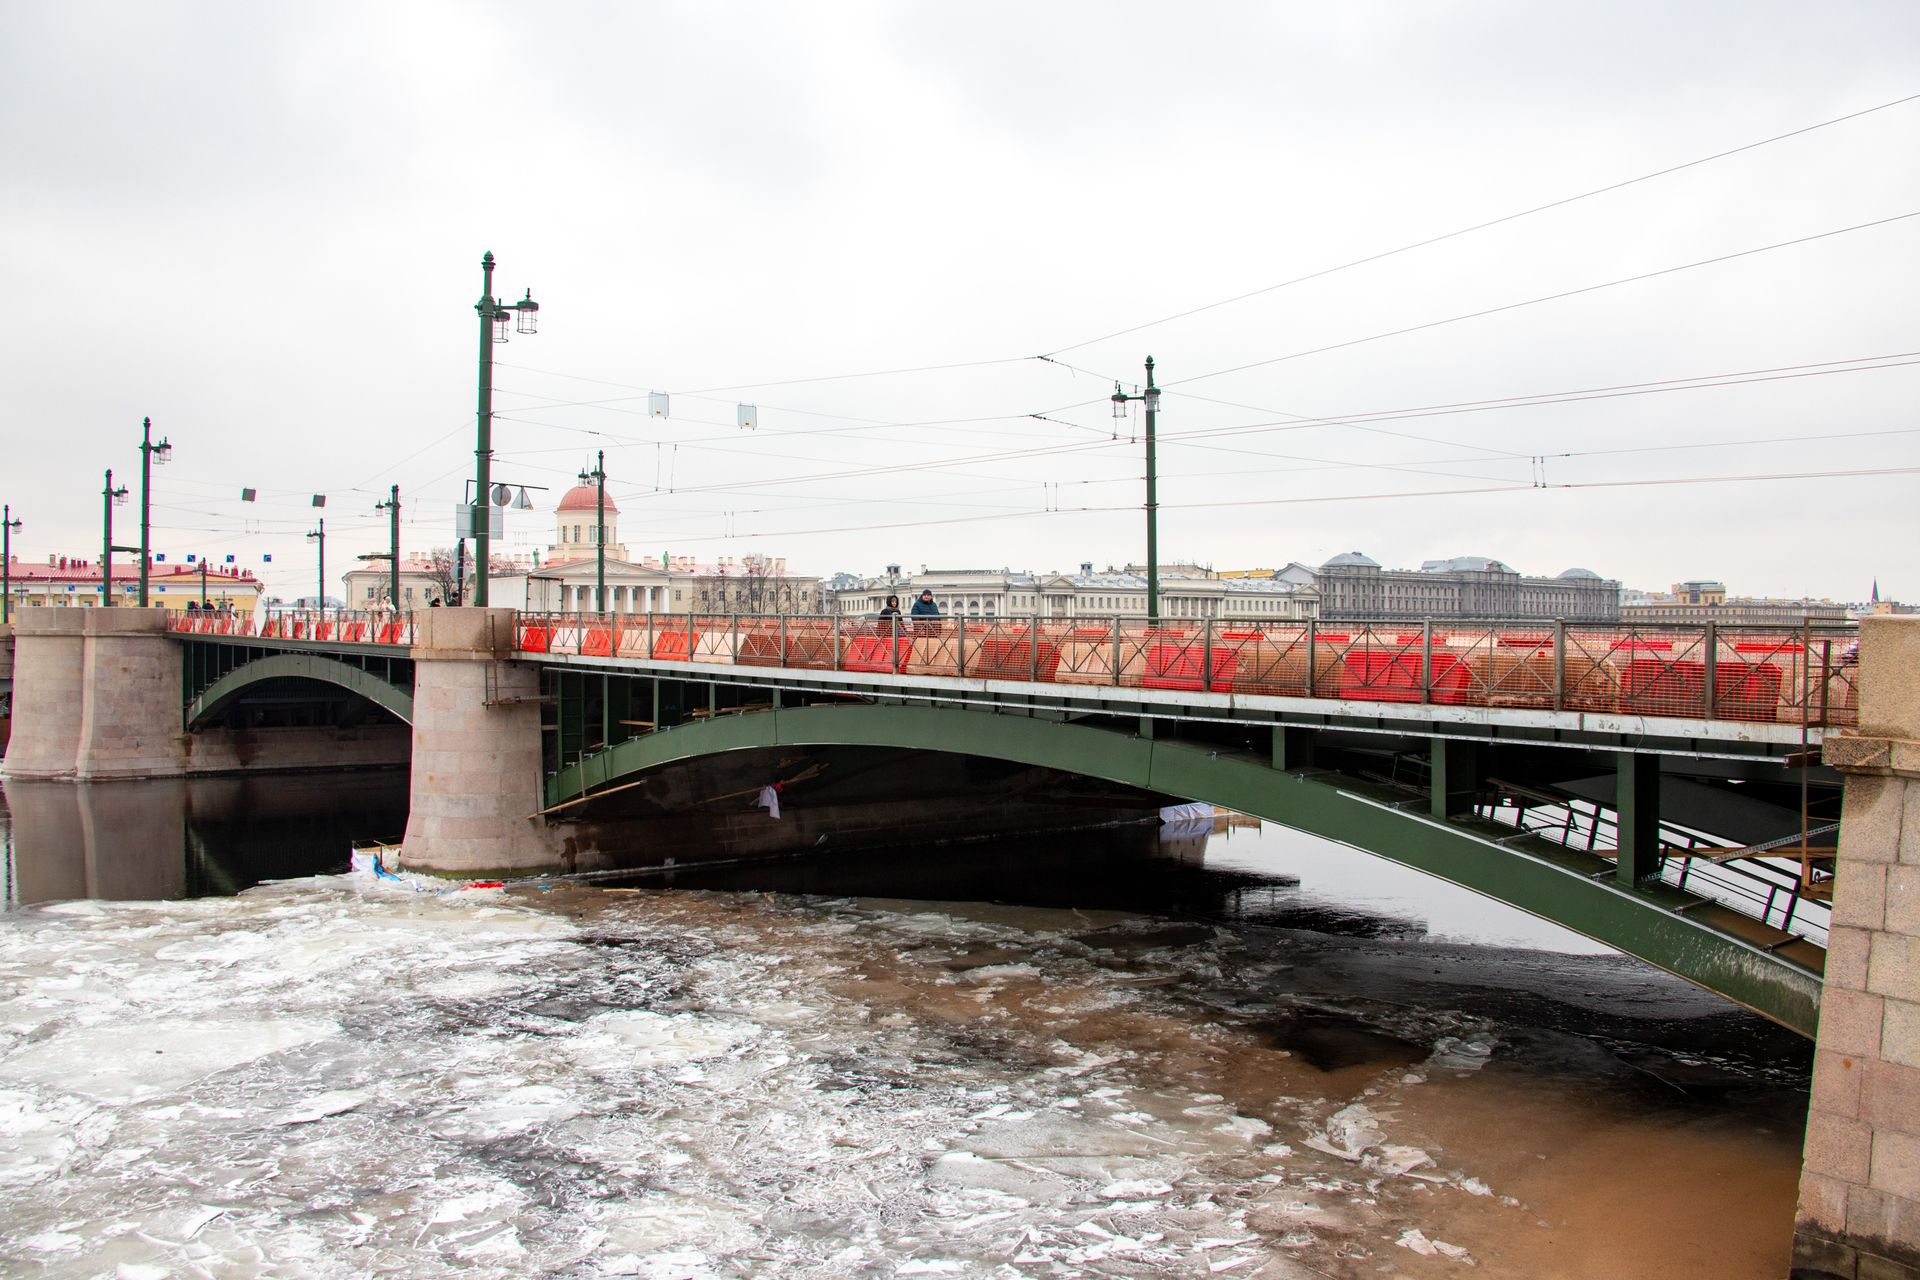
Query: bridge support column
476, 750
1292, 748
96, 696
1859, 1214
1637, 803
1455, 776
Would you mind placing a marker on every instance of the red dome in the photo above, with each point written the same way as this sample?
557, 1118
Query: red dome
584, 497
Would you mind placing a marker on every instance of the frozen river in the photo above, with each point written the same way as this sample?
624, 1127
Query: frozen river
337, 1076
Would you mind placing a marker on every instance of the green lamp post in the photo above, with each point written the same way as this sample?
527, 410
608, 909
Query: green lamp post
110, 498
320, 535
495, 317
150, 453
599, 478
1151, 398
7, 525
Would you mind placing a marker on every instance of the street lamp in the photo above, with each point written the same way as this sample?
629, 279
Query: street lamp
494, 320
110, 498
1151, 397
150, 453
599, 478
392, 507
7, 525
320, 534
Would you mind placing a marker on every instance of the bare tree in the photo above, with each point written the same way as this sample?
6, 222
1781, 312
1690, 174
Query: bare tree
755, 590
441, 574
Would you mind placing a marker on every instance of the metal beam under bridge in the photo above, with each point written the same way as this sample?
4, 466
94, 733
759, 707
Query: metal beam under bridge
1652, 921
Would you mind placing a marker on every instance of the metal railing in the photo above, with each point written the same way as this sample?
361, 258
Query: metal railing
335, 626
1707, 671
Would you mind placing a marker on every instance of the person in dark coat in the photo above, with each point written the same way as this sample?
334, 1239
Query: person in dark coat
892, 609
924, 607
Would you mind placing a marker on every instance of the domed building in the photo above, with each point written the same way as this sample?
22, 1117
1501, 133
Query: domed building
576, 529
568, 579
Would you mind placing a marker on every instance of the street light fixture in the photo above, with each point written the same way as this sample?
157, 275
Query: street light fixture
150, 454
1151, 398
110, 498
7, 525
494, 320
598, 478
392, 507
320, 535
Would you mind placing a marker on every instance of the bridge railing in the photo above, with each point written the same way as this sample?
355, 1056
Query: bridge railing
1706, 671
337, 626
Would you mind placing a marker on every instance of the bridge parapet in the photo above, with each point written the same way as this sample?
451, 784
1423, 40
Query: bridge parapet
1767, 675
326, 626
1859, 1213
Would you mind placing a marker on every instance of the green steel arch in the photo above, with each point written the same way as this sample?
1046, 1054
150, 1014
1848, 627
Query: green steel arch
298, 666
1650, 921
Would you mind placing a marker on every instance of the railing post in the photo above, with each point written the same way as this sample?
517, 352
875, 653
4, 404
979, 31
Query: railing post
1426, 660
783, 643
836, 642
1116, 648
1206, 655
1559, 664
1710, 670
650, 642
960, 643
690, 636
1313, 682
734, 652
1826, 678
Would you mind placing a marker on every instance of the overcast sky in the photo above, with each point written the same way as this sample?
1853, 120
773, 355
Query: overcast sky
261, 224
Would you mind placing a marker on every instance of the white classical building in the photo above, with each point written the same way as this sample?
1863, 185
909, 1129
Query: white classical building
991, 593
566, 580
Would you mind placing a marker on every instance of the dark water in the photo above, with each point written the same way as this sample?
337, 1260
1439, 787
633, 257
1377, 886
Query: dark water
189, 838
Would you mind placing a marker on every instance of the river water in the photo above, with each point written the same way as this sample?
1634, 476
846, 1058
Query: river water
1236, 1053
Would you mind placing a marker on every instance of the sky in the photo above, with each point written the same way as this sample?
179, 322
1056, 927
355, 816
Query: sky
925, 241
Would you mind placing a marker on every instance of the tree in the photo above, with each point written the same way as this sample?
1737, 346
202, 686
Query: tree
440, 575
755, 589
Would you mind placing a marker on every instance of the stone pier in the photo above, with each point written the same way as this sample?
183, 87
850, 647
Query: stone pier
96, 696
1859, 1213
476, 751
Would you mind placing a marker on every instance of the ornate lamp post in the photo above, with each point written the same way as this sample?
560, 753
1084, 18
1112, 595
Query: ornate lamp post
110, 498
1151, 398
494, 320
599, 478
7, 525
320, 535
150, 453
392, 507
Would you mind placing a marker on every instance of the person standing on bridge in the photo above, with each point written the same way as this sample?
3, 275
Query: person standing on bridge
924, 607
892, 607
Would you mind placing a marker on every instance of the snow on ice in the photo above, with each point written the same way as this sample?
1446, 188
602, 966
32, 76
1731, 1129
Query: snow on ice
339, 1077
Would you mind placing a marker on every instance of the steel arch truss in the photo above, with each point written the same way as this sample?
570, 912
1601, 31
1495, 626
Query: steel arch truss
1649, 921
224, 673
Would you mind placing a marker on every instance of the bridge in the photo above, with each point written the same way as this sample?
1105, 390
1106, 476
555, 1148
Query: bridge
1675, 792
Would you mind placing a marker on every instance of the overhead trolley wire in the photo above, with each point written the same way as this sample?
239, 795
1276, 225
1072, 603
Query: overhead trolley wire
1482, 226
1551, 297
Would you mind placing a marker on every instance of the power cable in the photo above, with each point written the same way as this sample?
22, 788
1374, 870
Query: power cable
1482, 226
1551, 297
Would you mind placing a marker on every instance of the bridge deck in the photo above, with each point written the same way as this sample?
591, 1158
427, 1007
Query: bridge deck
1718, 689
